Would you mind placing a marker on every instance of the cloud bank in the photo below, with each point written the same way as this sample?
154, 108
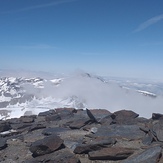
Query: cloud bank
99, 95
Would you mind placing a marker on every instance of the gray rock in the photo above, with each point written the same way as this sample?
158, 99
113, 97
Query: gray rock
2, 143
91, 116
27, 119
46, 145
4, 126
37, 126
65, 113
147, 140
150, 155
157, 116
21, 126
107, 120
125, 116
99, 113
61, 156
55, 130
47, 113
54, 117
93, 146
158, 130
78, 123
114, 153
123, 131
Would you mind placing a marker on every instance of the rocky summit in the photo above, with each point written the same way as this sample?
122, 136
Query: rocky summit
67, 135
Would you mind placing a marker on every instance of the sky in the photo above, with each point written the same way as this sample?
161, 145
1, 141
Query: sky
105, 37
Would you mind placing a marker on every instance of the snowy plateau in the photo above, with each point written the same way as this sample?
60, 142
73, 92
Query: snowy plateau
25, 96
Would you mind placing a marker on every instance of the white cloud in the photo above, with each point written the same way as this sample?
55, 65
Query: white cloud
149, 22
39, 6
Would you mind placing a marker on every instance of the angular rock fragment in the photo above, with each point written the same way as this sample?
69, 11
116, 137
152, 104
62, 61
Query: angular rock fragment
61, 156
55, 130
54, 117
125, 116
114, 153
150, 155
122, 131
46, 145
47, 113
59, 110
99, 113
20, 126
157, 116
158, 130
91, 116
27, 119
106, 120
147, 140
77, 124
2, 143
4, 126
65, 114
37, 126
93, 146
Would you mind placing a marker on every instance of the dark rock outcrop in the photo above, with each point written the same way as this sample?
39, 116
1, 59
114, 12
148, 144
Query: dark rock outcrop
67, 135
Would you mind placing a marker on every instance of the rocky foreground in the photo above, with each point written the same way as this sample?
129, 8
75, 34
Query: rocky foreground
67, 135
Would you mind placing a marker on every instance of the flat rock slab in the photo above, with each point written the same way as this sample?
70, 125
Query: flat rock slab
122, 131
150, 155
93, 146
114, 153
55, 130
79, 123
46, 145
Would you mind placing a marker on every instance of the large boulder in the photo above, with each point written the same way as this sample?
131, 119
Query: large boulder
46, 145
125, 116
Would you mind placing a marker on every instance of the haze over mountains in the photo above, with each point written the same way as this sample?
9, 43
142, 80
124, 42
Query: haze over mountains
31, 95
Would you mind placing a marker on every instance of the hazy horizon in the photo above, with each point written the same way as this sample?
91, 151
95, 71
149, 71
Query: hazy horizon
105, 37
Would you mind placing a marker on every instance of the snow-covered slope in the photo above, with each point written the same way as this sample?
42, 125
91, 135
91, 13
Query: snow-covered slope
24, 96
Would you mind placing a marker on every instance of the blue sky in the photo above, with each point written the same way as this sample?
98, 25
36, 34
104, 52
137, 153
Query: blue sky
106, 37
